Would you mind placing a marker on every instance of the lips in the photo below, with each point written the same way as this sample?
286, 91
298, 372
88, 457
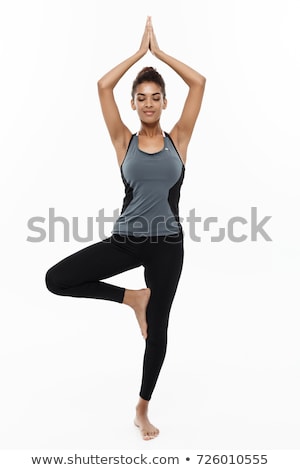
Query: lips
149, 113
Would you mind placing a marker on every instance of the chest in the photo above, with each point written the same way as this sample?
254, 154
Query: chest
163, 167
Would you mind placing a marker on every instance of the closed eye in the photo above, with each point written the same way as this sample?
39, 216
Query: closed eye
155, 96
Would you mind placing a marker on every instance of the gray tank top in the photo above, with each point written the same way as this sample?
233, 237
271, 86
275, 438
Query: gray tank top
152, 191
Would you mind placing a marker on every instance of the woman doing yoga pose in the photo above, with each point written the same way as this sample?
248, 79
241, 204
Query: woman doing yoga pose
148, 232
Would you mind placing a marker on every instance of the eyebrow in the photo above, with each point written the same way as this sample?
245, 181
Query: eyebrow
153, 94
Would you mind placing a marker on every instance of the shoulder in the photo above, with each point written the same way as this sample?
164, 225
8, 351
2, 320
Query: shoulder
180, 148
122, 146
124, 151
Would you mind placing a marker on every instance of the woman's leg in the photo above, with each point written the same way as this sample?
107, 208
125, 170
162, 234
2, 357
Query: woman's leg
162, 272
79, 274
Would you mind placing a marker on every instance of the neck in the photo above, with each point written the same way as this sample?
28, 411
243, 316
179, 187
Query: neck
150, 131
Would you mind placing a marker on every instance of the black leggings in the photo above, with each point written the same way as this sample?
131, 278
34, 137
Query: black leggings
79, 275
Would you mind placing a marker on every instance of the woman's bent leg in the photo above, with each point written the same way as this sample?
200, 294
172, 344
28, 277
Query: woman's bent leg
79, 274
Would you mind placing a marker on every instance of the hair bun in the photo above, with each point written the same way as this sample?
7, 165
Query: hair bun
146, 70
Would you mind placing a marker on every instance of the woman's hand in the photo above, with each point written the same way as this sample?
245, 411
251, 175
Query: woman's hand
149, 41
145, 44
153, 46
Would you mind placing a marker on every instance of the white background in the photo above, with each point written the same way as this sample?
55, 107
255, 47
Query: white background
71, 368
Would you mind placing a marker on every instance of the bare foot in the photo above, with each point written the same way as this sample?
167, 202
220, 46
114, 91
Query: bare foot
138, 300
148, 431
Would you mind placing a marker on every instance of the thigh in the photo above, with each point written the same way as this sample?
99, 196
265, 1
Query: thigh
95, 262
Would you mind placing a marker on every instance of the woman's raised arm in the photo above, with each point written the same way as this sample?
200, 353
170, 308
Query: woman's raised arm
182, 130
119, 133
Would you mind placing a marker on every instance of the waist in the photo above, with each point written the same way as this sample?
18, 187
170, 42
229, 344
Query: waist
171, 238
141, 226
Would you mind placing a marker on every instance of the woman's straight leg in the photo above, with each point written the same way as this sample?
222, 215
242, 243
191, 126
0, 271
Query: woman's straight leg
162, 274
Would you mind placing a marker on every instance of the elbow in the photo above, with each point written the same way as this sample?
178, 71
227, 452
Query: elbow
202, 80
103, 83
198, 81
100, 84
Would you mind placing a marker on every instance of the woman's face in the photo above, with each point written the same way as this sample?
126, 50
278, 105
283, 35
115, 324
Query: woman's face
148, 102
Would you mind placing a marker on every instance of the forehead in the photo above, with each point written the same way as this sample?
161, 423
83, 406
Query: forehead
148, 88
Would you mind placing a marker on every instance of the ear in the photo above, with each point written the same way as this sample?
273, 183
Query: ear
133, 106
165, 103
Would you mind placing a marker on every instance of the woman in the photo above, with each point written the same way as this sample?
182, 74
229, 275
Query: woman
148, 232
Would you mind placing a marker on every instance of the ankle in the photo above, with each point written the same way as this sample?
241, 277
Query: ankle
133, 298
129, 297
142, 407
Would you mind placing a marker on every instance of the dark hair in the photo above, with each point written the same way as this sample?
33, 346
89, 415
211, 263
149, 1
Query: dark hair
149, 74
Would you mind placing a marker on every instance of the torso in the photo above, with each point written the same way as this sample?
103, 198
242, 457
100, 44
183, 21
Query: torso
152, 176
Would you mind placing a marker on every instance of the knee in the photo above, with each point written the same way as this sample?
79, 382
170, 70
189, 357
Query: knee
52, 282
157, 337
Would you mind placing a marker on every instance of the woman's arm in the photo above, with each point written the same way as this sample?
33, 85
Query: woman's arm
119, 133
182, 131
